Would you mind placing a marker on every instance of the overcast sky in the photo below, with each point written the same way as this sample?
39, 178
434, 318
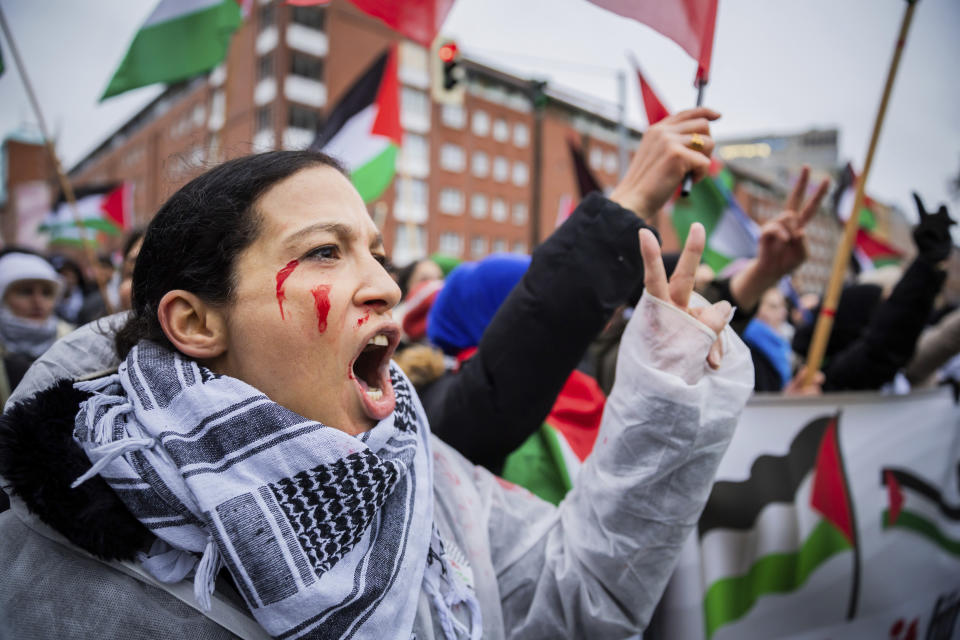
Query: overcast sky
779, 66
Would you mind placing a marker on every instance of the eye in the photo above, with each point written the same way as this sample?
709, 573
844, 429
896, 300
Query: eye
324, 252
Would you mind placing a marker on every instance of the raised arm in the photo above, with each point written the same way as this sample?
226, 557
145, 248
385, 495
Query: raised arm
577, 277
596, 566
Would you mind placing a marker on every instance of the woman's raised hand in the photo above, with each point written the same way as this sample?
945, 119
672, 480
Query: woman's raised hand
677, 290
676, 145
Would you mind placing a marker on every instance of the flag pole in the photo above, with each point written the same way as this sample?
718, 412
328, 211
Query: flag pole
828, 307
65, 185
688, 179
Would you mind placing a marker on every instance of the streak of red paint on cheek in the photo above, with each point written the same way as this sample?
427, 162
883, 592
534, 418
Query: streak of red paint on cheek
282, 275
321, 298
362, 320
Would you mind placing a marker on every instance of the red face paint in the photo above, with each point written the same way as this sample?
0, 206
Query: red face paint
321, 297
282, 275
363, 320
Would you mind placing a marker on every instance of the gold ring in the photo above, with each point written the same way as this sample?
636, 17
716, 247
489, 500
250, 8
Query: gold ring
696, 142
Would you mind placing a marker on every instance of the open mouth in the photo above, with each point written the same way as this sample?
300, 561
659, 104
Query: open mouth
370, 370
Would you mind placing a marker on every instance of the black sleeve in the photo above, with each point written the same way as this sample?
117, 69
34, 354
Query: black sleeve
888, 342
576, 279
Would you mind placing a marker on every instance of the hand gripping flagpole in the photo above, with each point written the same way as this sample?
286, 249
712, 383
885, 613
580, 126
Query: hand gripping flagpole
65, 185
828, 308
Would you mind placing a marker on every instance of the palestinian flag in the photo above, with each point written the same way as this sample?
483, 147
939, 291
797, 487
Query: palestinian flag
917, 505
731, 233
363, 130
548, 461
753, 554
180, 39
105, 209
869, 251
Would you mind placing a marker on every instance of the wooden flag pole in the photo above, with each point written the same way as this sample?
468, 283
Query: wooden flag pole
65, 185
828, 307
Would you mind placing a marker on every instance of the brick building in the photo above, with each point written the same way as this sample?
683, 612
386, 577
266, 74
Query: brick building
493, 174
26, 187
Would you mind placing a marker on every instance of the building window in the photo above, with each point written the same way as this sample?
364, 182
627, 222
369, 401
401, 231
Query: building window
478, 247
414, 107
501, 130
480, 164
521, 135
266, 17
451, 201
312, 17
519, 214
451, 243
415, 151
411, 243
499, 245
414, 64
306, 66
481, 123
452, 158
501, 169
610, 162
264, 119
498, 211
453, 116
520, 247
478, 206
411, 192
520, 174
265, 67
302, 117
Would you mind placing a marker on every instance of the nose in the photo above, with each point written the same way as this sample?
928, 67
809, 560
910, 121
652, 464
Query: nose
377, 290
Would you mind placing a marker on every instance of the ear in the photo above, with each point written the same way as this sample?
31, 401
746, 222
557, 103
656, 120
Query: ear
196, 328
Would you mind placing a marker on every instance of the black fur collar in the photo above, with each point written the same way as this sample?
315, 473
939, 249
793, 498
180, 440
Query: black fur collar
39, 460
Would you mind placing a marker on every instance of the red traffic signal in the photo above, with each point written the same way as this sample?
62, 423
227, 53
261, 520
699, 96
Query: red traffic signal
448, 52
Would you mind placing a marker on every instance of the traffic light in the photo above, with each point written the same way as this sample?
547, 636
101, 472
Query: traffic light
449, 76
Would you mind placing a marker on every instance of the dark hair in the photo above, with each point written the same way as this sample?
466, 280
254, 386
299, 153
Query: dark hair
194, 240
62, 263
133, 237
405, 273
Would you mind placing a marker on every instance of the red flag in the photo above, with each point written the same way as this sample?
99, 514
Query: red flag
689, 23
830, 494
387, 122
117, 205
651, 103
895, 495
419, 20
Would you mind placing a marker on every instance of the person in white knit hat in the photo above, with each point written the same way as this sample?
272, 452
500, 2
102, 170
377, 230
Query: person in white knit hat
29, 288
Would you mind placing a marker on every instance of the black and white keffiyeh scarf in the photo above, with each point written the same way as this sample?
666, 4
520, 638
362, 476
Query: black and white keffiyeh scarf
325, 534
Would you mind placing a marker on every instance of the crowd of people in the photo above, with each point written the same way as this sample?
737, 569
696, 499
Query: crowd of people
285, 437
45, 297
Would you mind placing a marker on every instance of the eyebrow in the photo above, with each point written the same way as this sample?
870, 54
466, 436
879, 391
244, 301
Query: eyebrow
343, 233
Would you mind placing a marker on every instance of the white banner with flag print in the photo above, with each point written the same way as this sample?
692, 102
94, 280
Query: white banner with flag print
831, 517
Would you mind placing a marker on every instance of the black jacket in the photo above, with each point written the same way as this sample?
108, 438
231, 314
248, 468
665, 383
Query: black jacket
887, 343
576, 279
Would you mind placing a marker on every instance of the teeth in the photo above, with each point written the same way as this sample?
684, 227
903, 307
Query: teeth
379, 340
374, 394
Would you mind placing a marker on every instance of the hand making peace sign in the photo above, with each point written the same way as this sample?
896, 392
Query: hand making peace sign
677, 291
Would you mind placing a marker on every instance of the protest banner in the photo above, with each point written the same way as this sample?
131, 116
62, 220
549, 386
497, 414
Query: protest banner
831, 517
